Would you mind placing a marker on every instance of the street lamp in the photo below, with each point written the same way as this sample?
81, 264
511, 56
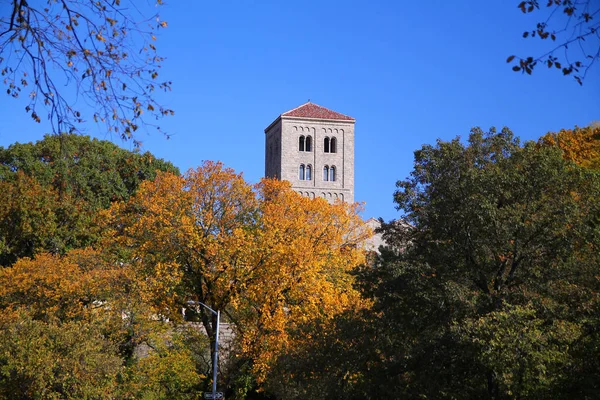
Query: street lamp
216, 355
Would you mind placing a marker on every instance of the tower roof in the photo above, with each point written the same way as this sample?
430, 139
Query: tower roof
312, 110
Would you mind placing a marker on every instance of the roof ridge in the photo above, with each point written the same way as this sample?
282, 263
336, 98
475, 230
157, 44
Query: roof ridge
301, 105
313, 110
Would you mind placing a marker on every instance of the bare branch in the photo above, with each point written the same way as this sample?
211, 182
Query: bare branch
582, 27
102, 52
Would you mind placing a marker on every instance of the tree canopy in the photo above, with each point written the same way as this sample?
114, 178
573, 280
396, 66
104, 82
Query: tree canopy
71, 327
488, 287
51, 190
102, 250
580, 145
268, 258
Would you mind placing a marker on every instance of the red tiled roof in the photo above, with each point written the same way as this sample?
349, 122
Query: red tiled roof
312, 110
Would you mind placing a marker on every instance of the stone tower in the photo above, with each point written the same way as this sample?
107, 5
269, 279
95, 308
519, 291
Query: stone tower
313, 148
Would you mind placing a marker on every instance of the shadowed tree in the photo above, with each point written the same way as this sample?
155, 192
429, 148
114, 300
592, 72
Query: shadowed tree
490, 291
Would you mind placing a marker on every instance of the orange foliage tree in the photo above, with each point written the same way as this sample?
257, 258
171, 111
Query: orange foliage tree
305, 249
72, 326
580, 145
53, 337
265, 256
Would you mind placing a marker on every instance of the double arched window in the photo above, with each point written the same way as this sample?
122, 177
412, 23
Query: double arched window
329, 173
305, 143
305, 172
330, 145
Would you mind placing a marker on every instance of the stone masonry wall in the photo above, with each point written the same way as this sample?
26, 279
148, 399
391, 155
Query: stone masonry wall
291, 157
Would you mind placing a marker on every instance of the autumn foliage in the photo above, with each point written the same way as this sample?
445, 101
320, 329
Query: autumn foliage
265, 256
85, 317
580, 145
104, 270
488, 287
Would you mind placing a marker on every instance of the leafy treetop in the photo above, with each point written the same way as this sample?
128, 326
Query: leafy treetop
491, 291
268, 258
580, 145
51, 190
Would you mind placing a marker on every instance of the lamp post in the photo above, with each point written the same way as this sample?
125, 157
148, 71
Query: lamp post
216, 355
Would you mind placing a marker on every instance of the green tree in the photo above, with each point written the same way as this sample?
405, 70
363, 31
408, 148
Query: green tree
51, 191
96, 171
488, 287
104, 50
28, 221
504, 235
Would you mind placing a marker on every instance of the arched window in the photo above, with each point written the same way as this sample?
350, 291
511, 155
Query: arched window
308, 173
326, 173
333, 145
308, 143
301, 172
326, 145
332, 174
301, 143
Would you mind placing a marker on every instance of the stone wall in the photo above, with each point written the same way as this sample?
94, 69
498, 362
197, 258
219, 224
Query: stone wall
283, 157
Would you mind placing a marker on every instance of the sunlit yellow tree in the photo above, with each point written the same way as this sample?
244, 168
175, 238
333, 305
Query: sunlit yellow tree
265, 256
72, 327
580, 145
305, 251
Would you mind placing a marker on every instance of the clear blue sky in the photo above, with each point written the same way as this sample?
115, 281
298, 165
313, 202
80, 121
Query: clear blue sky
409, 72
